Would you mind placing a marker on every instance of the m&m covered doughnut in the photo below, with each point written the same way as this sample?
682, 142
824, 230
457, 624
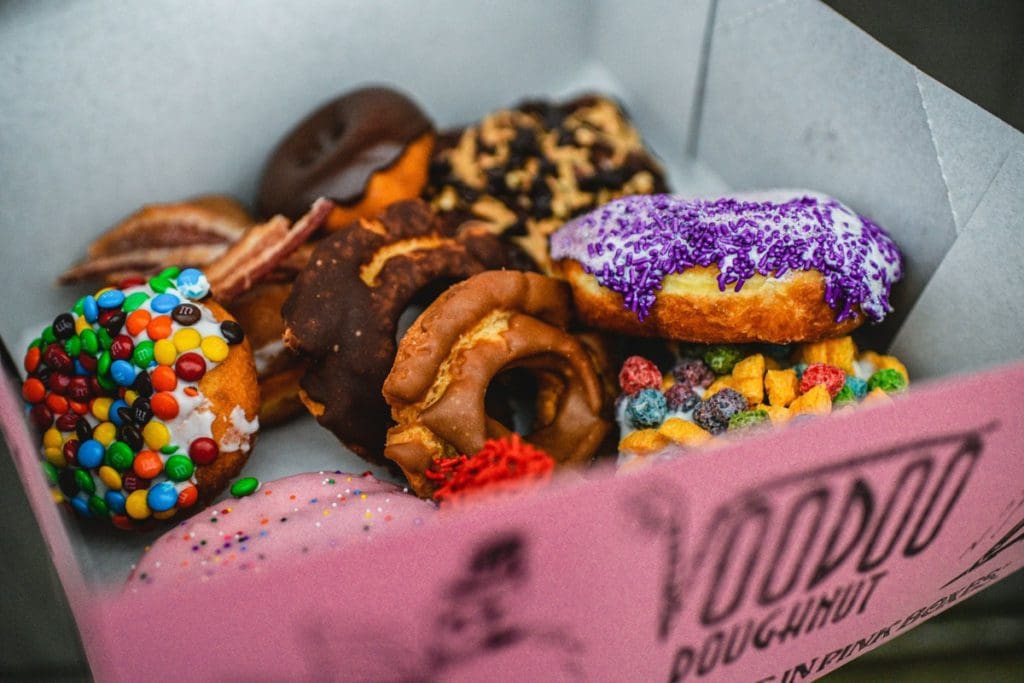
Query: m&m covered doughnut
145, 397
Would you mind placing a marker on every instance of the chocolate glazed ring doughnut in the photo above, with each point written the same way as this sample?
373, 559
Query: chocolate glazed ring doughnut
492, 322
342, 314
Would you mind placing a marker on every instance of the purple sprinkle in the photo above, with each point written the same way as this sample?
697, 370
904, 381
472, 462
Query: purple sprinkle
640, 239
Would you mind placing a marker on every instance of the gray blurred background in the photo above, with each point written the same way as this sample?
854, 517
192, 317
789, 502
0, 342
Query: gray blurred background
976, 47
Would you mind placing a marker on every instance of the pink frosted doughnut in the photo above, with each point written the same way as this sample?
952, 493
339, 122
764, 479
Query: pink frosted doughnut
282, 520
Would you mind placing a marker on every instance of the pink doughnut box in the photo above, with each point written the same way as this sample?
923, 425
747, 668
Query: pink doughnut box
777, 558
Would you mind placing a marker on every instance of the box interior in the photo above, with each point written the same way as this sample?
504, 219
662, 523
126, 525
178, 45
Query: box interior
146, 104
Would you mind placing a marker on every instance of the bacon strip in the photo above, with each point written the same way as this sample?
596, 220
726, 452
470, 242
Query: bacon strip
260, 250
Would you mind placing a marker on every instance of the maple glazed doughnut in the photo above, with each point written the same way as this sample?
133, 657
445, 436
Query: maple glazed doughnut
343, 311
364, 150
494, 321
781, 267
146, 399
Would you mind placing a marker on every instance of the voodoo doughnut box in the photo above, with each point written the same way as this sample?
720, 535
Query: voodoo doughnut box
558, 341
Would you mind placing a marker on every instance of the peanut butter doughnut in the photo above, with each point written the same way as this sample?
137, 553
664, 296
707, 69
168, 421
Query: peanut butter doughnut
343, 311
364, 150
781, 267
492, 322
526, 170
146, 400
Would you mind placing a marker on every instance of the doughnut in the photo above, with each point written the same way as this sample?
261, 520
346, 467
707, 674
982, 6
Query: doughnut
343, 312
494, 321
146, 400
192, 232
249, 267
283, 521
364, 150
279, 370
528, 169
720, 390
781, 267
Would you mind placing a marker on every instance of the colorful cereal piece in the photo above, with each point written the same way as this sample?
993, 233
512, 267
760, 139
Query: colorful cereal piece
721, 359
638, 373
647, 408
782, 386
841, 352
887, 379
748, 378
643, 442
684, 432
748, 419
816, 401
822, 373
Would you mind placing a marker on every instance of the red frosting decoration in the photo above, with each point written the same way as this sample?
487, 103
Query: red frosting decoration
502, 466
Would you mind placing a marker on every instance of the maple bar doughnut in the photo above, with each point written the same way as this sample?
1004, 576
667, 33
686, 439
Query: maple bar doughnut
494, 321
343, 311
364, 150
781, 267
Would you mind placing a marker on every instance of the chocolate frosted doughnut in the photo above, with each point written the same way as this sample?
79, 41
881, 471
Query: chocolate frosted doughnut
363, 150
528, 169
492, 322
343, 311
781, 267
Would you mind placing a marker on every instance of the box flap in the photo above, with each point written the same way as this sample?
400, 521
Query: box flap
795, 97
971, 314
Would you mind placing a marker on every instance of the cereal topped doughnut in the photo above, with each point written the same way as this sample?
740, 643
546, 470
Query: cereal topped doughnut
526, 170
721, 390
145, 397
780, 267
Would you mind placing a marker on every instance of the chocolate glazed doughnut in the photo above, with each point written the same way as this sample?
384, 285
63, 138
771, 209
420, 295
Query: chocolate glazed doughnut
343, 311
492, 322
364, 150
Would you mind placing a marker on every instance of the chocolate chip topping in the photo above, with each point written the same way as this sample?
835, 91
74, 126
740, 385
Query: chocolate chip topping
336, 149
527, 170
345, 305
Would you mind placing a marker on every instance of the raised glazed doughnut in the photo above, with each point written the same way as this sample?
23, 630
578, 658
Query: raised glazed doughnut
526, 170
364, 150
494, 321
288, 519
343, 312
781, 267
146, 399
